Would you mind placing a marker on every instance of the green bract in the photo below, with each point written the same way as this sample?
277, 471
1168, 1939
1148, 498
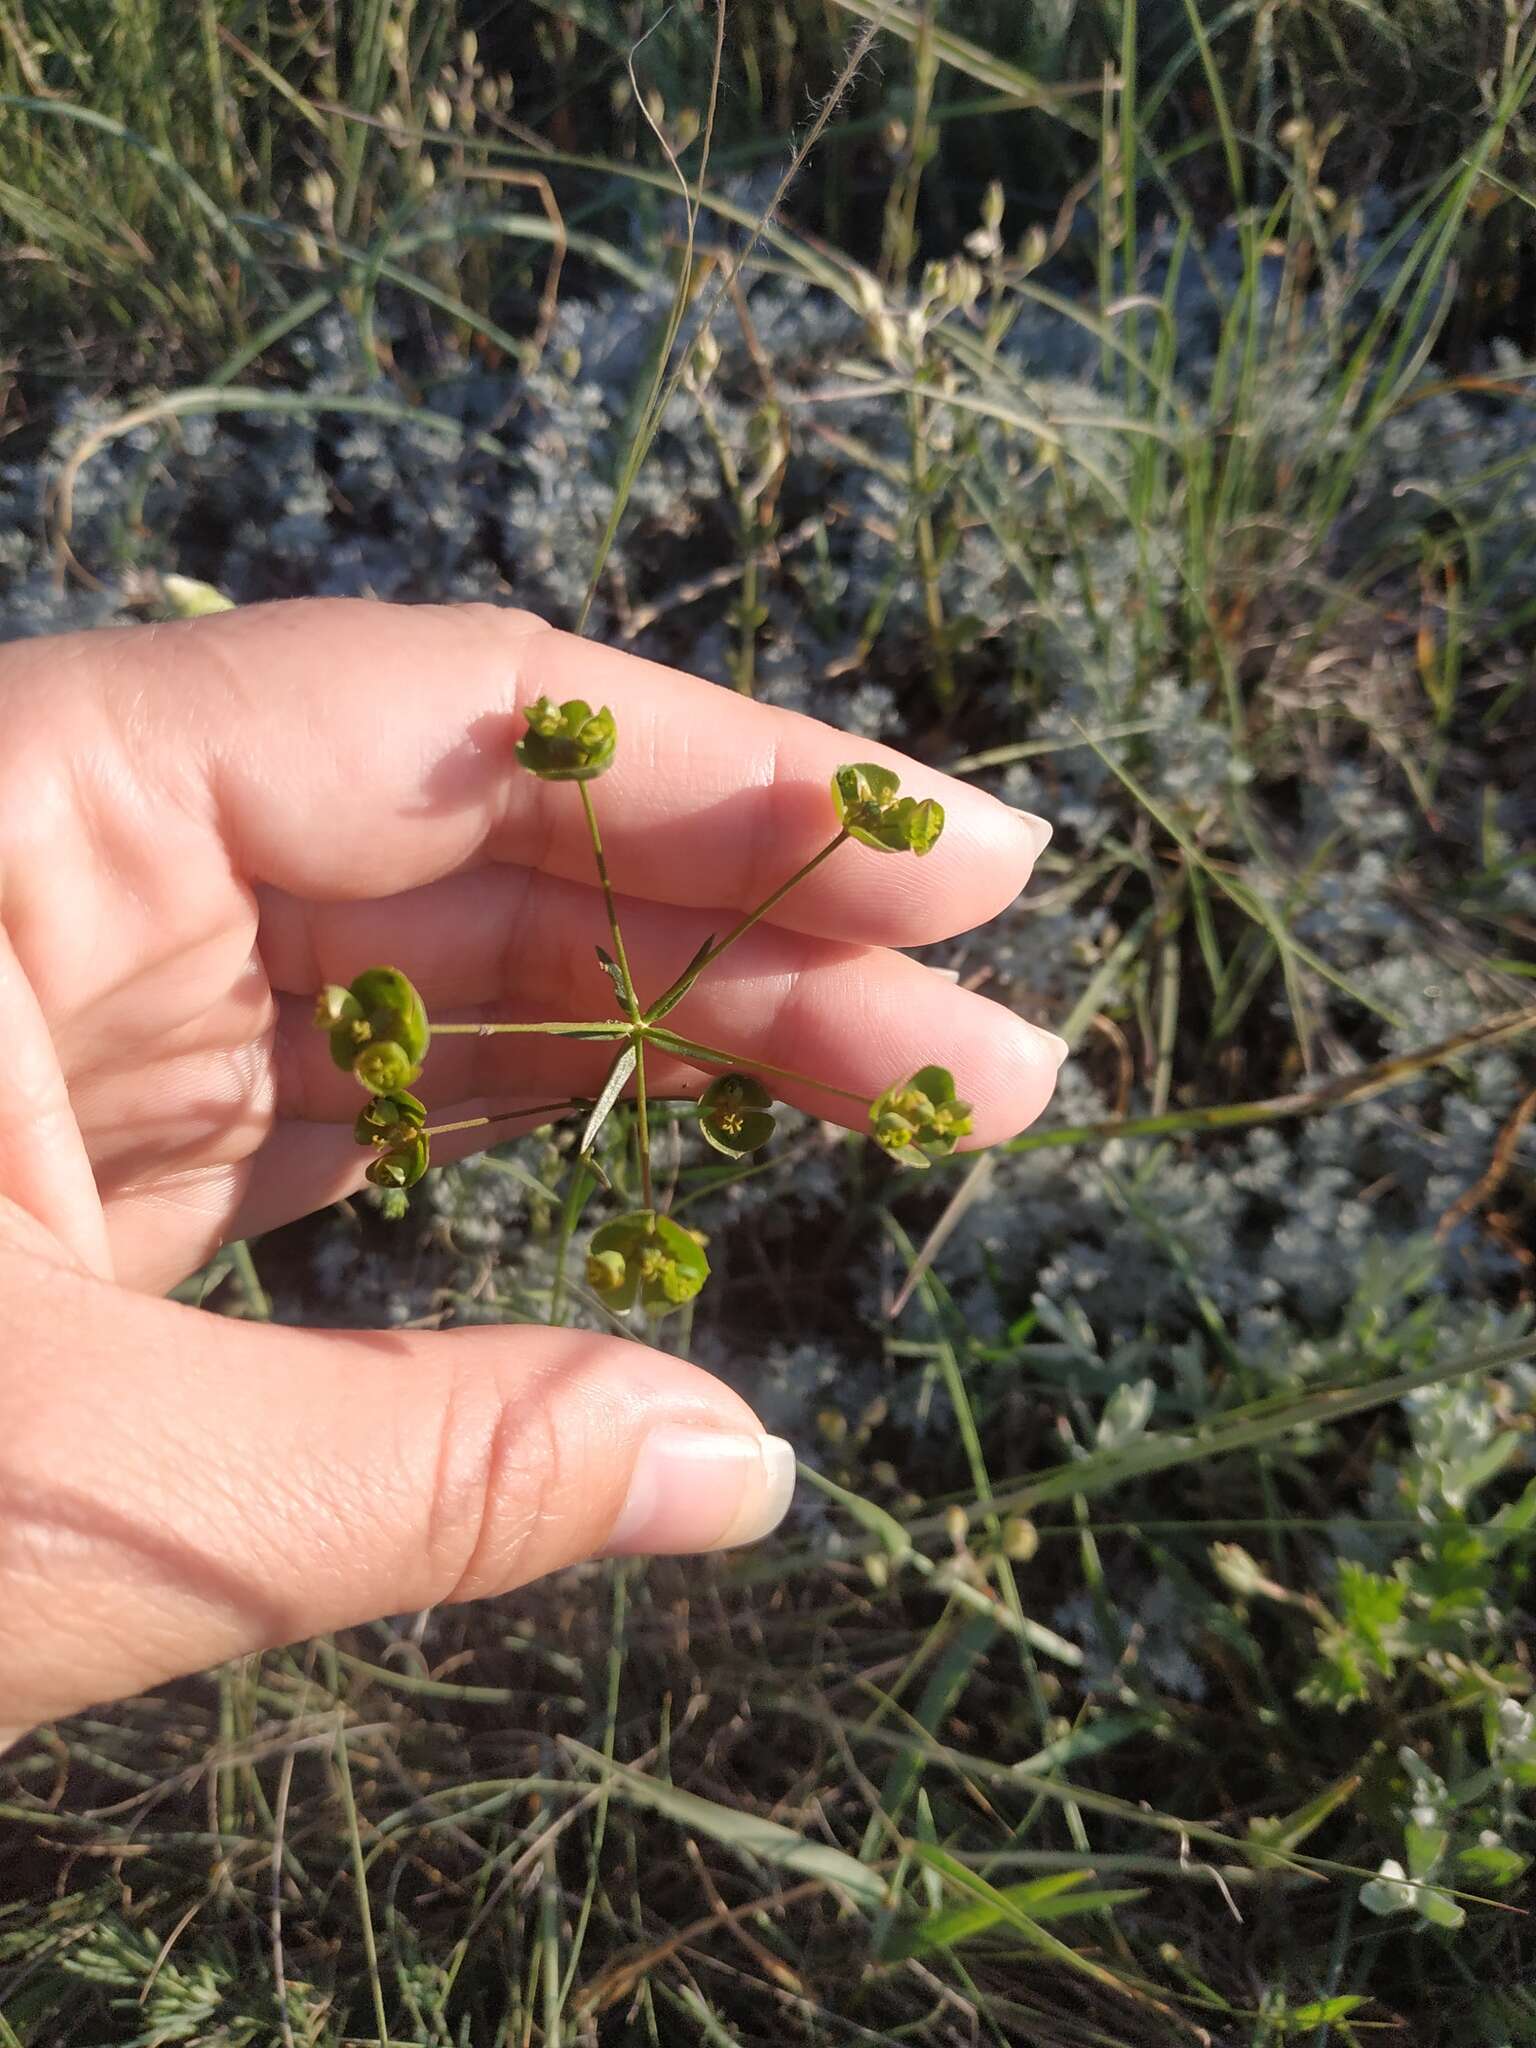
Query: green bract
567, 742
648, 1259
869, 810
378, 1029
920, 1119
402, 1166
336, 1006
389, 1119
392, 1124
733, 1115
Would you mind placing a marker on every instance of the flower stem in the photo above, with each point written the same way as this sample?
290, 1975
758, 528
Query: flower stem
745, 924
643, 1126
599, 1028
620, 956
694, 1054
551, 1109
502, 1116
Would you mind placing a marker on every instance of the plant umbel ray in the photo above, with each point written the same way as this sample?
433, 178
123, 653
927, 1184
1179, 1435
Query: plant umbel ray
380, 1033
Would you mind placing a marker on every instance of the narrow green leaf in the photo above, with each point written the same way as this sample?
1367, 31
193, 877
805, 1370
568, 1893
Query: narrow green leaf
577, 1195
674, 995
1321, 2012
1088, 1738
972, 60
1467, 1475
947, 1682
1288, 1831
980, 1892
613, 1088
611, 968
879, 1522
1440, 1909
1492, 1865
1516, 1519
767, 1841
964, 1923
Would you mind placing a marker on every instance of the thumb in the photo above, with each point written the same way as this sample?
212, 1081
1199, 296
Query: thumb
176, 1489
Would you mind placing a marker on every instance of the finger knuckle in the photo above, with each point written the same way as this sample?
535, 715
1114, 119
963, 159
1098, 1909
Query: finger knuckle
496, 1466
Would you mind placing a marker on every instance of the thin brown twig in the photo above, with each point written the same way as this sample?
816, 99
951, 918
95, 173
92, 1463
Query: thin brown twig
621, 1977
549, 298
1487, 1186
771, 1965
641, 616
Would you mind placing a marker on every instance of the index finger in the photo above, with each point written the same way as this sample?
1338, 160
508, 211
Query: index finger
357, 749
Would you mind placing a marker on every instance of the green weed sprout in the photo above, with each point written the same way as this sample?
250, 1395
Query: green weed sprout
380, 1034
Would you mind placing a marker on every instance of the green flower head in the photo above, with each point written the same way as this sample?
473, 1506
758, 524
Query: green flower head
870, 810
389, 1119
392, 1125
920, 1119
567, 742
646, 1259
402, 1166
377, 1028
733, 1115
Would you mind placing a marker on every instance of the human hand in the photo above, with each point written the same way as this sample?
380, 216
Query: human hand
199, 824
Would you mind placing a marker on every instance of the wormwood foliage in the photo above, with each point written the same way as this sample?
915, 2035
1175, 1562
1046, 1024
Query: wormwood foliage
379, 1033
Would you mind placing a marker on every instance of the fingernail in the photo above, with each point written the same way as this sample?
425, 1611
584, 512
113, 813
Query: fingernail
1039, 829
1059, 1046
703, 1489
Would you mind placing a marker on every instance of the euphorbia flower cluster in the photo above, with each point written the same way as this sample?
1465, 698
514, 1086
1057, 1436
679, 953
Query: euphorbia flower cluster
379, 1033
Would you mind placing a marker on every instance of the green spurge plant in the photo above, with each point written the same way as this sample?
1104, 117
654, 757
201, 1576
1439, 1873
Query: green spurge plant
379, 1033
